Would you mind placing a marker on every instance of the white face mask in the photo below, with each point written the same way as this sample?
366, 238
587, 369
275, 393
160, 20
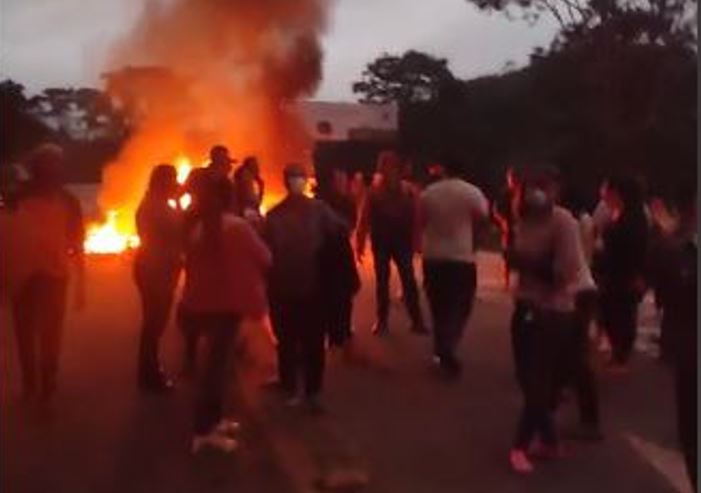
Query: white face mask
536, 198
297, 185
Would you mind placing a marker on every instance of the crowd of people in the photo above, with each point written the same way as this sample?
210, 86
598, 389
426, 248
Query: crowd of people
580, 276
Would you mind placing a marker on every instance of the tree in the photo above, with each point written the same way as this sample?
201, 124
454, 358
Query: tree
414, 77
19, 131
647, 22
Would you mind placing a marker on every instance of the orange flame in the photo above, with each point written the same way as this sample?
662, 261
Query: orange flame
106, 238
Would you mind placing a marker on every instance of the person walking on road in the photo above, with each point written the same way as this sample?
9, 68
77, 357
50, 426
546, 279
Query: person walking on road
157, 266
297, 230
680, 275
547, 254
622, 268
450, 210
338, 261
390, 215
225, 267
42, 243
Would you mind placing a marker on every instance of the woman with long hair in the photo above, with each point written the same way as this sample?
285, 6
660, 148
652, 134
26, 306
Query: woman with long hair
623, 267
157, 266
225, 266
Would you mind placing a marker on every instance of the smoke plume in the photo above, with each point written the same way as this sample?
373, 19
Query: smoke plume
194, 73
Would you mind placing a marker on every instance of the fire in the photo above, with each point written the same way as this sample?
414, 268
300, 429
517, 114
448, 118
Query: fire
106, 238
110, 237
183, 167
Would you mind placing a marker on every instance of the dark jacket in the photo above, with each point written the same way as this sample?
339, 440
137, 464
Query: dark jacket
296, 231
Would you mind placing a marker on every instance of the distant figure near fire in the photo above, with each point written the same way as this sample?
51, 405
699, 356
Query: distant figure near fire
157, 266
389, 214
249, 187
44, 237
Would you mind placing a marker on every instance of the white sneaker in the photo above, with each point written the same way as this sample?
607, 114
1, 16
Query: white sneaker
227, 427
215, 441
519, 462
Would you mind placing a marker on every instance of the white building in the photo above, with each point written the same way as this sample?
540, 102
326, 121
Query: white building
339, 121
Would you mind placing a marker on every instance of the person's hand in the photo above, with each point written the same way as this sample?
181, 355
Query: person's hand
360, 256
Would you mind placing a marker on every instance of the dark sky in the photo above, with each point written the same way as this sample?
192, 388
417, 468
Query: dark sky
61, 42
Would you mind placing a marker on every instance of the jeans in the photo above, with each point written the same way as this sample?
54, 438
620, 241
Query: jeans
299, 327
545, 350
339, 313
219, 331
687, 415
38, 309
156, 285
619, 317
187, 323
450, 288
403, 259
581, 373
521, 330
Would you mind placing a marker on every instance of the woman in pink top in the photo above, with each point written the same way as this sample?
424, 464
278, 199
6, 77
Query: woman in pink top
225, 267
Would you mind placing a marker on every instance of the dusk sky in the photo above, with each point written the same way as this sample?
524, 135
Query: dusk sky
62, 42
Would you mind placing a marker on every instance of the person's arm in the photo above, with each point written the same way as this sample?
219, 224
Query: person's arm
568, 256
76, 241
363, 228
257, 248
480, 216
419, 222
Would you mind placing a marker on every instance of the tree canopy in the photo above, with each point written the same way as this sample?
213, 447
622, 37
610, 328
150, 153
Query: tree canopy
414, 77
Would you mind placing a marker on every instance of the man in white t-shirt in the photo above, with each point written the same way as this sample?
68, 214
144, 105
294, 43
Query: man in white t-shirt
449, 210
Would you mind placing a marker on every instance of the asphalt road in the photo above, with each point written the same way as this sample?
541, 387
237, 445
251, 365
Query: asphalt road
389, 417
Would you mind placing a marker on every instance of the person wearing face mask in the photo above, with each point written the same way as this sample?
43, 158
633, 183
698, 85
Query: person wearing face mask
547, 254
43, 243
296, 231
157, 265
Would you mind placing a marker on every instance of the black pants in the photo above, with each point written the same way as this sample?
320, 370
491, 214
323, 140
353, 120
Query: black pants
156, 285
188, 325
338, 319
38, 309
299, 328
521, 334
219, 331
544, 350
687, 415
403, 259
450, 288
619, 316
579, 373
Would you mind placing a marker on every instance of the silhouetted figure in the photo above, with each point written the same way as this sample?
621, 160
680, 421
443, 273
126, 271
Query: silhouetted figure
225, 270
578, 372
338, 264
389, 214
296, 230
504, 215
220, 162
622, 267
450, 209
45, 242
196, 186
249, 189
548, 257
157, 266
680, 286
